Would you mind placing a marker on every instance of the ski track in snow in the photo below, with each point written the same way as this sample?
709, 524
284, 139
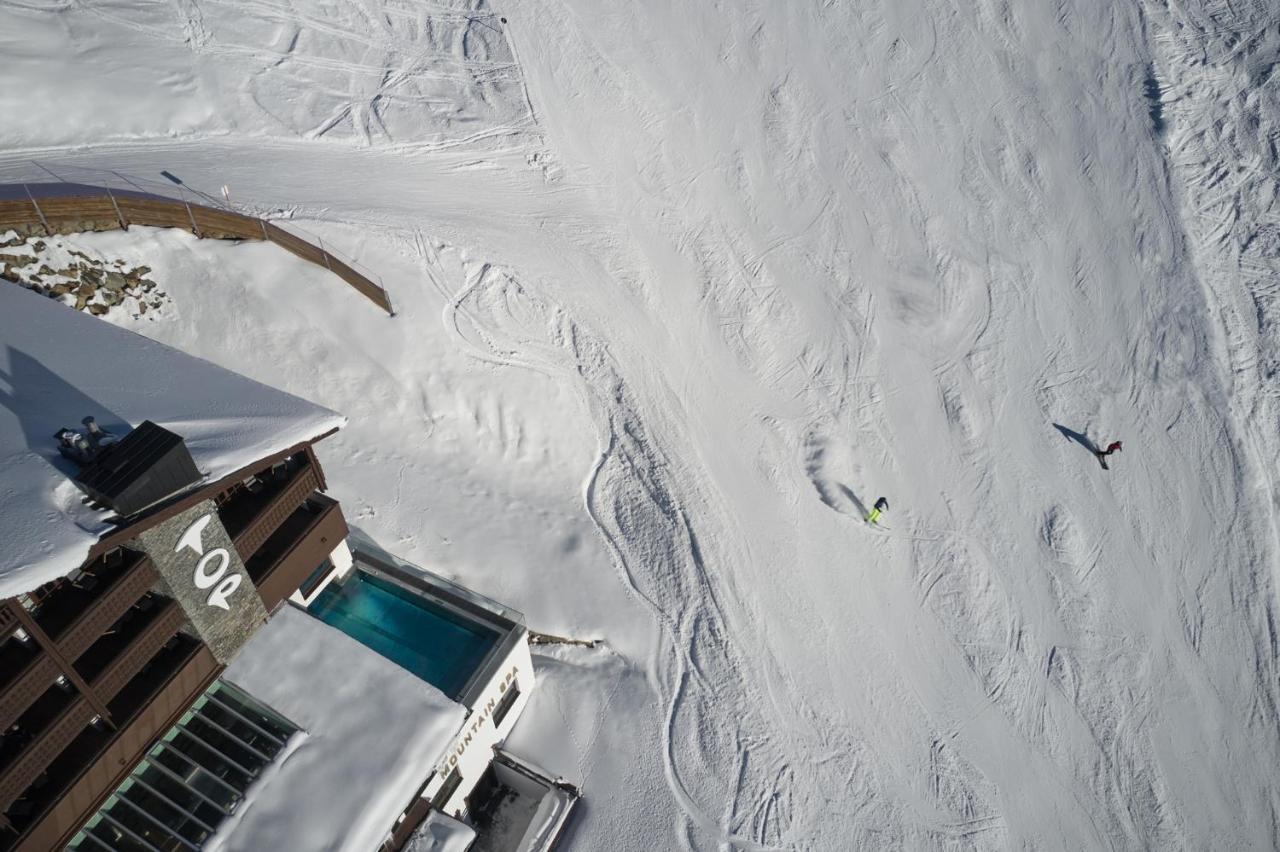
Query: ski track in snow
377, 73
874, 250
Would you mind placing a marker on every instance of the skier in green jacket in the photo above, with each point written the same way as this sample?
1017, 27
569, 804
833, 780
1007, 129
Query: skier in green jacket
882, 505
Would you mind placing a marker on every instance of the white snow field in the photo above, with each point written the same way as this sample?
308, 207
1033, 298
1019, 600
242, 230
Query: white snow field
681, 289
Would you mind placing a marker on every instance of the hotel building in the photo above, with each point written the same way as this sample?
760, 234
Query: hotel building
183, 608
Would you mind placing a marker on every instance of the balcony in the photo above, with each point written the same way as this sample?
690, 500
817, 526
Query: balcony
36, 676
15, 657
118, 655
53, 722
64, 602
32, 724
95, 759
253, 510
305, 538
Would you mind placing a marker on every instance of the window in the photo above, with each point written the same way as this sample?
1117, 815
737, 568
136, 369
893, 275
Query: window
193, 779
317, 576
102, 832
447, 789
259, 714
224, 796
504, 706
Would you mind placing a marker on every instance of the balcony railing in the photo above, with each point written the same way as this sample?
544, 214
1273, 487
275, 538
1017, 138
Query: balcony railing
35, 678
95, 621
120, 666
252, 515
15, 655
97, 760
112, 662
305, 538
61, 605
40, 752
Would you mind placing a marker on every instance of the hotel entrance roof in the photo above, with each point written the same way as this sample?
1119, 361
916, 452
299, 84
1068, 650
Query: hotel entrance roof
374, 733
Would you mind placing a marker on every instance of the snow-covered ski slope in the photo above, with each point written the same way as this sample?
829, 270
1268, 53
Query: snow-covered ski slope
682, 288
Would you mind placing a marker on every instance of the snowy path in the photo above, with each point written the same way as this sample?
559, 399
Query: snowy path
706, 281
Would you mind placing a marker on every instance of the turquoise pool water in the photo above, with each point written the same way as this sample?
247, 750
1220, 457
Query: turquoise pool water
438, 645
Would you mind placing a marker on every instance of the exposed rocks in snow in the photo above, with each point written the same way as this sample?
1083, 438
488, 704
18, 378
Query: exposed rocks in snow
97, 285
536, 638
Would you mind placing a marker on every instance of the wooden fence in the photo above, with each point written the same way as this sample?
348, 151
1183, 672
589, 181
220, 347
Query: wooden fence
50, 208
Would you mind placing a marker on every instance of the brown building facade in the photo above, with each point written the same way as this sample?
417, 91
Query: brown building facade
95, 666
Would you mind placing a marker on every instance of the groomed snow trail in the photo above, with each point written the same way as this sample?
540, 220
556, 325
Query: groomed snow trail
683, 289
901, 276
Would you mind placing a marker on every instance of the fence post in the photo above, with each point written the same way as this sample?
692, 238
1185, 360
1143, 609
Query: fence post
124, 226
391, 309
325, 253
194, 229
48, 232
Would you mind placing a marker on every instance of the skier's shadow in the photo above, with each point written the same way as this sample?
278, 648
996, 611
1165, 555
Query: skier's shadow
1082, 440
853, 498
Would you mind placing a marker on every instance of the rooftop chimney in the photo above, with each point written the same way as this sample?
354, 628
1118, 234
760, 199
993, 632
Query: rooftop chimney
138, 471
98, 437
73, 445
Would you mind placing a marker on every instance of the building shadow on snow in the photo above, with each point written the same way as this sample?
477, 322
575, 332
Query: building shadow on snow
42, 402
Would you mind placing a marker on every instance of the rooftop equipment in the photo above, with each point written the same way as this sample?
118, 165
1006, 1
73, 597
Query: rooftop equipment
73, 445
98, 437
83, 448
141, 469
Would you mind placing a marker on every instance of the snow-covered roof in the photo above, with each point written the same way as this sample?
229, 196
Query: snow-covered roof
58, 365
441, 833
374, 732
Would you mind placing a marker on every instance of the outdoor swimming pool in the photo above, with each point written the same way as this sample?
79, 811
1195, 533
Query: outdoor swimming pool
439, 645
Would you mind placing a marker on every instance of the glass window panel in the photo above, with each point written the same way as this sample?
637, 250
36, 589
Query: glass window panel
163, 812
86, 842
264, 718
192, 779
234, 751
199, 779
504, 706
447, 789
114, 838
214, 763
241, 729
120, 811
313, 579
183, 795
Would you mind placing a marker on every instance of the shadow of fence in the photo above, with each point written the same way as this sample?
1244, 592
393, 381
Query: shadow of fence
34, 209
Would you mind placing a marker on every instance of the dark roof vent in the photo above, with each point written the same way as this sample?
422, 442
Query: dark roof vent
83, 448
143, 468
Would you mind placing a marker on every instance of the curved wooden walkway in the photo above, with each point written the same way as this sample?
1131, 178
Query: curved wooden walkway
34, 209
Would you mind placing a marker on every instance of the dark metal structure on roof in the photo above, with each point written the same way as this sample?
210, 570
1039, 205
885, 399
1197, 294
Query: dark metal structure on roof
146, 466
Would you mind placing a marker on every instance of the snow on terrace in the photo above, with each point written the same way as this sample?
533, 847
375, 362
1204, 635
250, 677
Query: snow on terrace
373, 734
440, 833
57, 366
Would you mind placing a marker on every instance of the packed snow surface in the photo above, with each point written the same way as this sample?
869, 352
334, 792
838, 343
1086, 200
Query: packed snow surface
57, 366
373, 734
682, 288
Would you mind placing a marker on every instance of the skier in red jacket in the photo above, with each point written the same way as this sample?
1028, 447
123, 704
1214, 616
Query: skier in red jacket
1102, 454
